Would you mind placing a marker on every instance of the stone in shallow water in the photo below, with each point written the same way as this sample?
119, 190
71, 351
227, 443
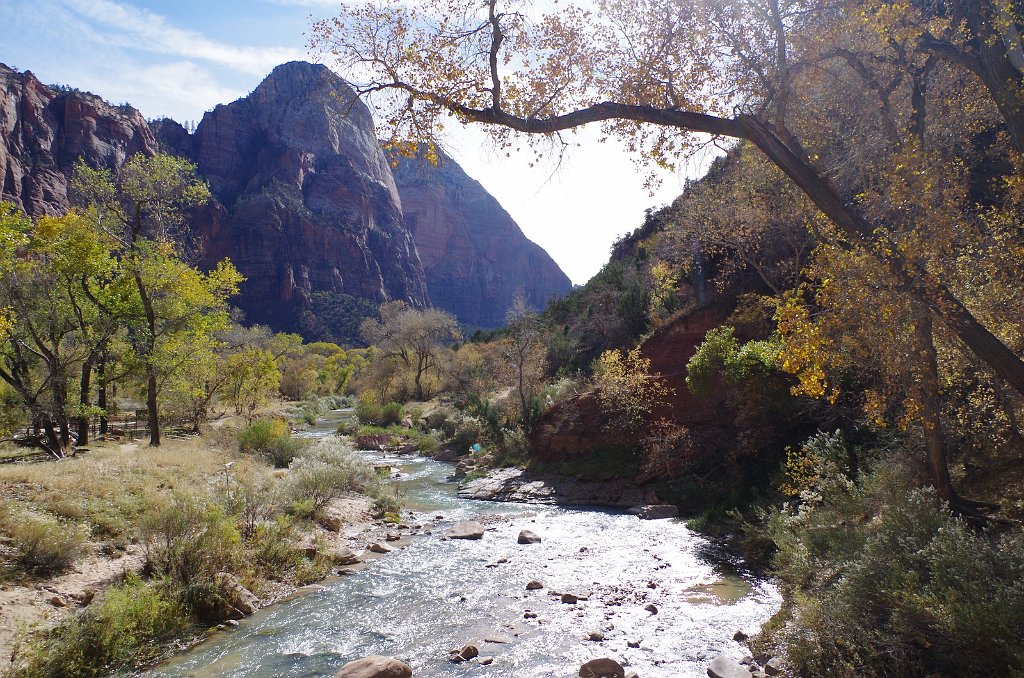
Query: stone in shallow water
602, 668
466, 529
534, 585
528, 537
375, 667
726, 667
655, 511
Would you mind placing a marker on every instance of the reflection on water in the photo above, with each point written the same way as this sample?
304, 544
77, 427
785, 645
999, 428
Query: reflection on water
434, 595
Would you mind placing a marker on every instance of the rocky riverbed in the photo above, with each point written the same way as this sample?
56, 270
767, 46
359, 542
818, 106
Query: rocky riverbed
650, 594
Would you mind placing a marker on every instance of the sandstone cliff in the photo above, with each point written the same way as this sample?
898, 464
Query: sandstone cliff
475, 257
305, 200
44, 131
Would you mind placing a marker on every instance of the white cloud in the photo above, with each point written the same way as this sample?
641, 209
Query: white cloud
144, 30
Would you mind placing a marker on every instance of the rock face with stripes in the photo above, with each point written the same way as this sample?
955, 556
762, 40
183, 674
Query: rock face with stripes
305, 199
305, 203
475, 257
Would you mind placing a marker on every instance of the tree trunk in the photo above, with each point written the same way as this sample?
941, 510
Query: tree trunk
85, 386
152, 411
101, 395
1001, 79
928, 400
52, 438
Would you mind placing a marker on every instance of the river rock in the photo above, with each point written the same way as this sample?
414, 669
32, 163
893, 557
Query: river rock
465, 654
375, 667
534, 585
726, 667
774, 666
595, 636
344, 556
332, 523
527, 537
485, 661
740, 637
603, 668
655, 511
466, 529
240, 600
652, 608
569, 599
377, 547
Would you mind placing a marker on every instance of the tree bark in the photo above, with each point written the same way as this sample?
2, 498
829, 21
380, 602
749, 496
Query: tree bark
152, 411
928, 400
85, 386
101, 395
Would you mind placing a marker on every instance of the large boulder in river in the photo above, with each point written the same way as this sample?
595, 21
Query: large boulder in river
527, 537
375, 667
602, 668
726, 667
466, 529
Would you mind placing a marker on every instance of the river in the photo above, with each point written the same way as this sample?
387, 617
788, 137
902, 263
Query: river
434, 595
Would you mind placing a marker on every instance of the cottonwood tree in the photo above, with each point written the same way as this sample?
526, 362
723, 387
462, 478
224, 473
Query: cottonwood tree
653, 72
416, 338
142, 207
525, 352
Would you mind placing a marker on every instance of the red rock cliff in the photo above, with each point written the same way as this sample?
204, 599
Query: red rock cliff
475, 256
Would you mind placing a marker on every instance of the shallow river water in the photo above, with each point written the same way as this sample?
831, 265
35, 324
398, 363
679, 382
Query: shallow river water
434, 595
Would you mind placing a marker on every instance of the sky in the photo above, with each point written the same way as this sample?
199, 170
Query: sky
180, 58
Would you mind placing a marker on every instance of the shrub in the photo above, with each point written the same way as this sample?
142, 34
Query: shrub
127, 627
390, 414
252, 499
388, 500
43, 546
368, 410
883, 580
324, 471
270, 439
272, 549
188, 541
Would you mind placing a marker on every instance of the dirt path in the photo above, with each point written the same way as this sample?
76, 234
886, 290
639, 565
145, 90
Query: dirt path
43, 604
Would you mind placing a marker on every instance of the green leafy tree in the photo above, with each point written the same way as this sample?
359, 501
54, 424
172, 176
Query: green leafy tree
142, 207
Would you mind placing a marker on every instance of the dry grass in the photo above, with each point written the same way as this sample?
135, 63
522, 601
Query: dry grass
108, 487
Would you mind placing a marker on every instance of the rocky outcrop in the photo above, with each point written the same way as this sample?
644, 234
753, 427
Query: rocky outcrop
474, 255
305, 200
577, 427
43, 132
526, 487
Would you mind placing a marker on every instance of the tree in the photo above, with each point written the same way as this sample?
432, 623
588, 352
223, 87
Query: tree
415, 337
252, 377
651, 72
525, 353
142, 207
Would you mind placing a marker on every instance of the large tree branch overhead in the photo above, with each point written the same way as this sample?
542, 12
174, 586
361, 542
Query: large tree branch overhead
578, 68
